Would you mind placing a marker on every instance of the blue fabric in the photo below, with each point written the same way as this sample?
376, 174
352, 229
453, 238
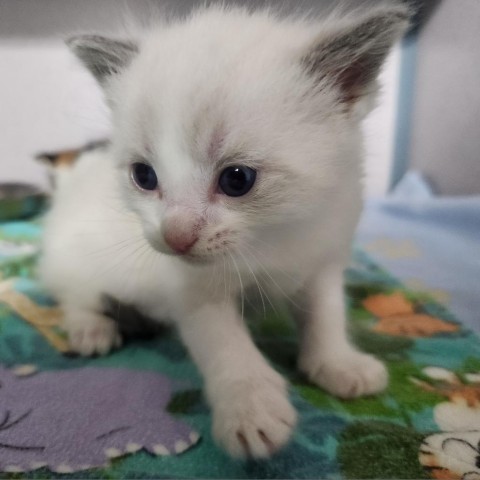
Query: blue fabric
431, 242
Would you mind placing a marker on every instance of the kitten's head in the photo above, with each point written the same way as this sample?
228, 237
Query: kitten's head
233, 125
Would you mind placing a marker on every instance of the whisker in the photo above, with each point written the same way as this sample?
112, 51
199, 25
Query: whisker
115, 247
256, 281
229, 290
128, 255
225, 278
212, 279
283, 272
272, 279
239, 279
272, 304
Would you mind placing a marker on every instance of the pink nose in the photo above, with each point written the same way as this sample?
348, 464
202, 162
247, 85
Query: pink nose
180, 242
181, 230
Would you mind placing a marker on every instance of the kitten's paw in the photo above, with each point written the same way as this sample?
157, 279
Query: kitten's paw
93, 334
253, 418
347, 375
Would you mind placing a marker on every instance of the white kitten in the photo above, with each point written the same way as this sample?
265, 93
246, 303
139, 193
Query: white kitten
235, 162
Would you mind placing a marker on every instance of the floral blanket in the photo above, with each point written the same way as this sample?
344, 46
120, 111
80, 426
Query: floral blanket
139, 412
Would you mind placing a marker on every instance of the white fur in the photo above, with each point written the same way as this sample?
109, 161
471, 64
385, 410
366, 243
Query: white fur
224, 83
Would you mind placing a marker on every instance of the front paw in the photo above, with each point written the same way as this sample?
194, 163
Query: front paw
253, 418
93, 334
347, 374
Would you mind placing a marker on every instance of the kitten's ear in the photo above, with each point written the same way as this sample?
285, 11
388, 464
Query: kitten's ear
104, 57
350, 58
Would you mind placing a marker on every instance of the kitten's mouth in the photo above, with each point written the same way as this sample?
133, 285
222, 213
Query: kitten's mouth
195, 258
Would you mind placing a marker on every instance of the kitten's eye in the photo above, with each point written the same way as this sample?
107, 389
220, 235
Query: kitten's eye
237, 181
144, 176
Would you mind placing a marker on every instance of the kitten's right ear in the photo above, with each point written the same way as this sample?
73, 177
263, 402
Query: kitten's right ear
351, 56
104, 57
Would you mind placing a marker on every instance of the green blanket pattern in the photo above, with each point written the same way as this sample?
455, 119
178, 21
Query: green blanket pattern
426, 425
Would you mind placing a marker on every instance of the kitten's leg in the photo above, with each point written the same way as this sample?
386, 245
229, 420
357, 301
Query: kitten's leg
90, 332
326, 356
252, 416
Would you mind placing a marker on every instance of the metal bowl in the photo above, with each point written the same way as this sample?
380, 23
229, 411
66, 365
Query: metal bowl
20, 200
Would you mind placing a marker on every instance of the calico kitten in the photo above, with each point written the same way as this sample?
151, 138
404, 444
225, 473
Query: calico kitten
235, 161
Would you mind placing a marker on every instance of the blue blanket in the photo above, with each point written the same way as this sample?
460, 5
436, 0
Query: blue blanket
431, 243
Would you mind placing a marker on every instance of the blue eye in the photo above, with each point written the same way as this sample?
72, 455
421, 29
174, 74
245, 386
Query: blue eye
144, 176
236, 181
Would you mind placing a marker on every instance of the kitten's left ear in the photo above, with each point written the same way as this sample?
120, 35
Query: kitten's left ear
104, 57
350, 58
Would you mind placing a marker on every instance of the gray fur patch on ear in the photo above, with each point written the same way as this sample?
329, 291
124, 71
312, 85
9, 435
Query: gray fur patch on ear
103, 56
352, 58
